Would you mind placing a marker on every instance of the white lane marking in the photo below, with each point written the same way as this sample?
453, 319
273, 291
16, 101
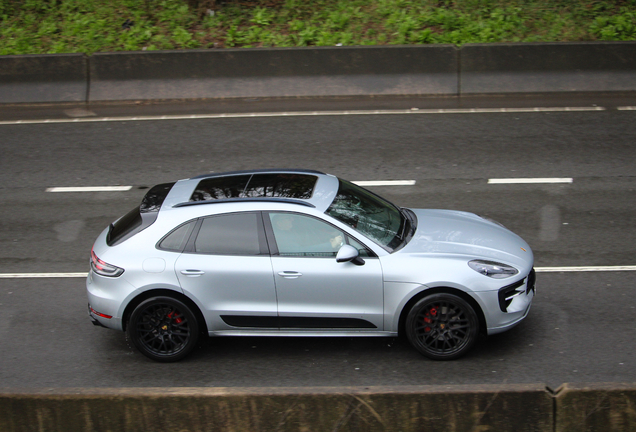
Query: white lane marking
305, 113
41, 275
90, 189
385, 182
529, 180
537, 269
585, 269
626, 108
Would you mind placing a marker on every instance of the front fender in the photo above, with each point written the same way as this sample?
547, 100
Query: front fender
401, 295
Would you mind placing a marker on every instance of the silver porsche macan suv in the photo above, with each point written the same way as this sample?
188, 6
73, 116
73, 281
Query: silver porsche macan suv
303, 253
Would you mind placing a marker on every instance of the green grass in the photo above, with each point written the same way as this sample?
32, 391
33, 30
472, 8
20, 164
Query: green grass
88, 26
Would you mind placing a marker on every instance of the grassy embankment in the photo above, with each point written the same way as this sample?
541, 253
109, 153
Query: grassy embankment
88, 26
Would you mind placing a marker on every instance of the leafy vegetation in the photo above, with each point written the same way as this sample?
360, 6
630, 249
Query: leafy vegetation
88, 26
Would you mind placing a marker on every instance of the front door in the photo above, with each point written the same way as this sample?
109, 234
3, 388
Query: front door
314, 291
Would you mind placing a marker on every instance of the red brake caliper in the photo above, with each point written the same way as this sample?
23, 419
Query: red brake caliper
427, 318
178, 320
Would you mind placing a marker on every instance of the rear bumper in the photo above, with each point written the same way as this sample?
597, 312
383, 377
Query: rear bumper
105, 298
93, 318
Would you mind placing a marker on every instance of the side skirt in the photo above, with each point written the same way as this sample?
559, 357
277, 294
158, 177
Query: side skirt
293, 322
303, 333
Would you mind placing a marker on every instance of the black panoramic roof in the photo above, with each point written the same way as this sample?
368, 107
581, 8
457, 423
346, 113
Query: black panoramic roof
265, 199
258, 171
155, 197
298, 185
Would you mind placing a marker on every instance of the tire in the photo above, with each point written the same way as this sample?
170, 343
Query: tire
442, 326
163, 329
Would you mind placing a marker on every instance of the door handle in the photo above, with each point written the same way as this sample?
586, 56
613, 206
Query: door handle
192, 273
290, 274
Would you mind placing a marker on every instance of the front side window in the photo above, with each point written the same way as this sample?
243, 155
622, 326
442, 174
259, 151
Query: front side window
367, 213
231, 234
304, 236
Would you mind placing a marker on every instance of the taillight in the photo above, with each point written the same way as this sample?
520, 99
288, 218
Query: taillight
103, 268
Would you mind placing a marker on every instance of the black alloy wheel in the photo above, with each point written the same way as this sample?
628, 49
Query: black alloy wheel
442, 326
163, 329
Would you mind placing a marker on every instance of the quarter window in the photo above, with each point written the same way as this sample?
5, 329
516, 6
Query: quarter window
177, 239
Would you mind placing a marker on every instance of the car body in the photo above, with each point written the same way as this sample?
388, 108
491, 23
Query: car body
303, 253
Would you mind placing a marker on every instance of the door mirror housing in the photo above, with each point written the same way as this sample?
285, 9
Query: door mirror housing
348, 253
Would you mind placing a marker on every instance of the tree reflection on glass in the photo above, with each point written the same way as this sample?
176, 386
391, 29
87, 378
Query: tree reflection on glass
369, 214
297, 186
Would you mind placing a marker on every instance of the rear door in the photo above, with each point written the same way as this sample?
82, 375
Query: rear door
227, 267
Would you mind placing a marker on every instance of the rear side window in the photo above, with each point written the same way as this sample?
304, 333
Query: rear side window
140, 217
231, 234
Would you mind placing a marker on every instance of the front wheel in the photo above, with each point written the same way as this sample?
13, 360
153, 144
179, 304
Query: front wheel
163, 329
442, 326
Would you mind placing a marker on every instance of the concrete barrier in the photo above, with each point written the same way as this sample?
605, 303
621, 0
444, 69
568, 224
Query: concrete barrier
43, 78
282, 72
548, 67
436, 70
596, 408
518, 408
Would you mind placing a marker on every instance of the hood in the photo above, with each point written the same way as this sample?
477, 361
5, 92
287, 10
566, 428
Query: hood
461, 233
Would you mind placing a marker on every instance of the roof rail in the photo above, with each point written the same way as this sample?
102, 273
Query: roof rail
258, 171
255, 199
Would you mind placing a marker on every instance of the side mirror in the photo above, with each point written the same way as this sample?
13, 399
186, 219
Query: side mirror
348, 253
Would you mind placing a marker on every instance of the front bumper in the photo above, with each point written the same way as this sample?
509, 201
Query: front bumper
508, 306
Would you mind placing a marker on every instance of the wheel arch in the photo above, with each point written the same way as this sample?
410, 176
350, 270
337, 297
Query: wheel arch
442, 290
157, 292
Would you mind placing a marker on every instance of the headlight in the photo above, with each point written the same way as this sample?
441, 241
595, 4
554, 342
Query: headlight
493, 269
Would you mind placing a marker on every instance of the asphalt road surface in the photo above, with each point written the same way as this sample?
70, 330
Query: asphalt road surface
582, 327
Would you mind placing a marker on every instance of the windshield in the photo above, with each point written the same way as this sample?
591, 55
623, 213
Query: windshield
376, 218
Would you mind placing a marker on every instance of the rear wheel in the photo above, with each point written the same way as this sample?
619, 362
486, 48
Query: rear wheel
442, 326
163, 329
